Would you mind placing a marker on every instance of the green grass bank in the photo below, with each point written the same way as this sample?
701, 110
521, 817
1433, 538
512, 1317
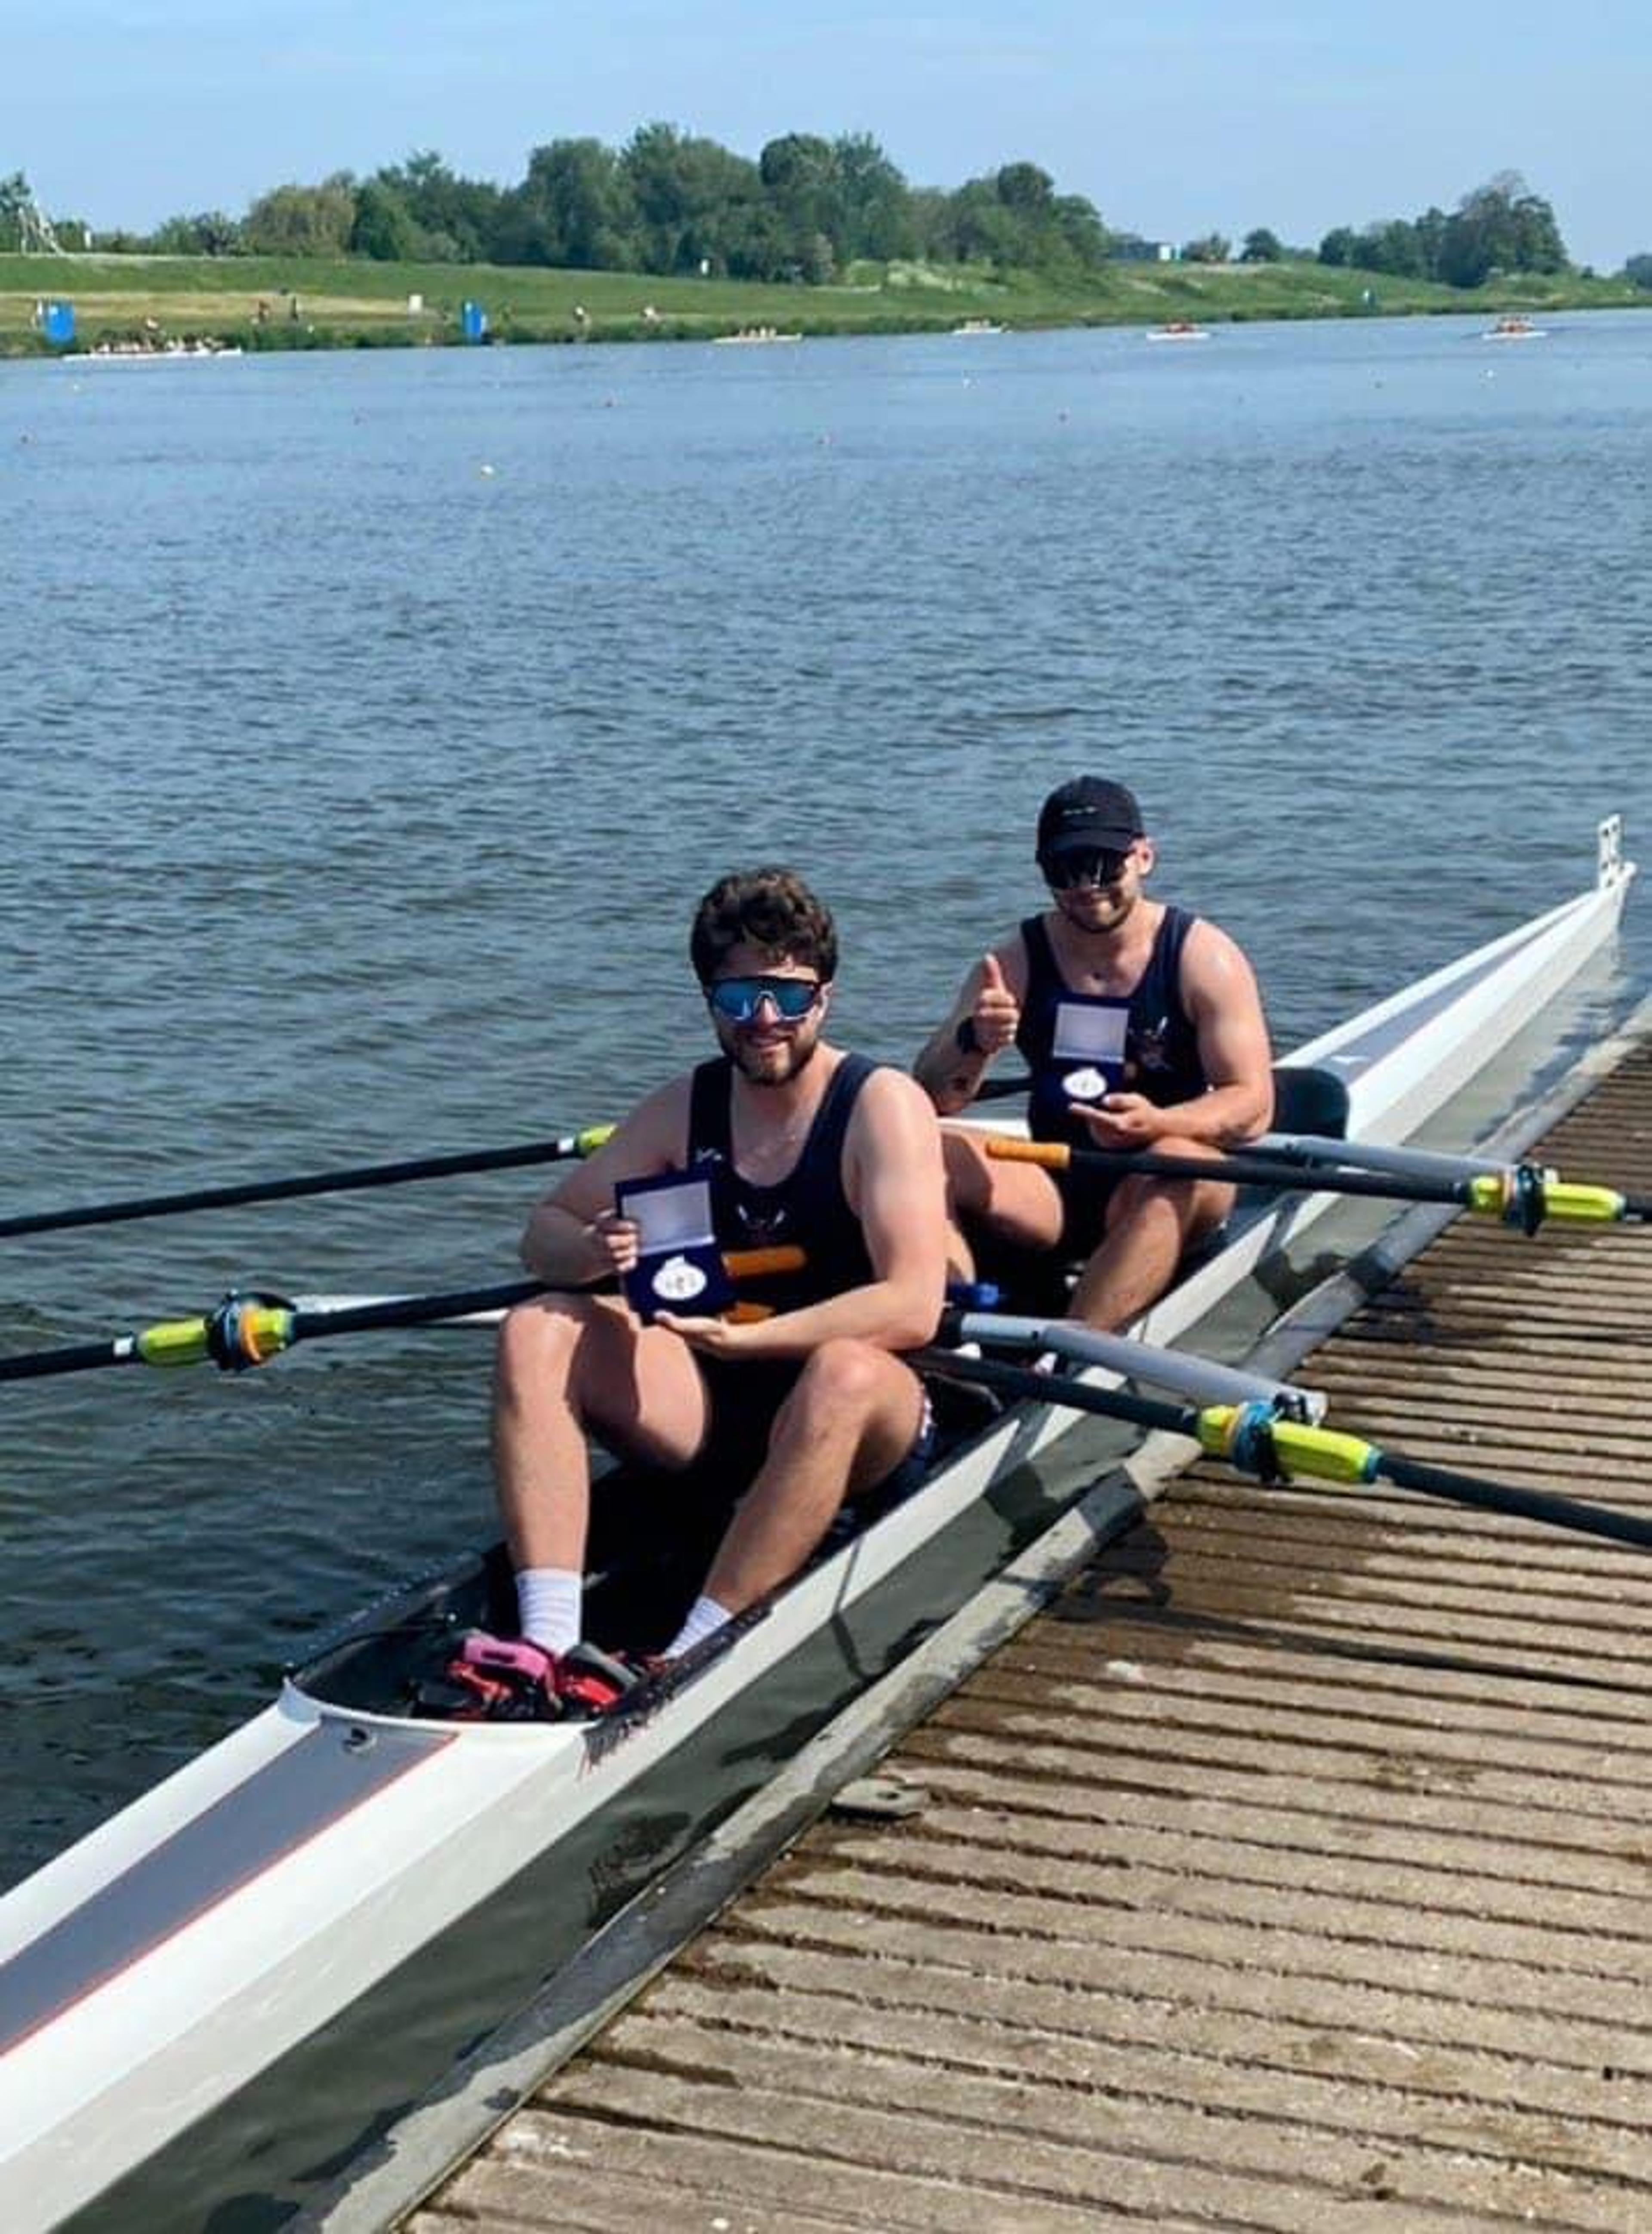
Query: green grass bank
280, 302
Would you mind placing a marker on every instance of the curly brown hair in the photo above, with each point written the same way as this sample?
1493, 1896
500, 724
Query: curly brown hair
771, 909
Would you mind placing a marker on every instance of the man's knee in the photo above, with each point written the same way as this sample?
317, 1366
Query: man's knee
1138, 1191
843, 1378
536, 1346
1192, 1207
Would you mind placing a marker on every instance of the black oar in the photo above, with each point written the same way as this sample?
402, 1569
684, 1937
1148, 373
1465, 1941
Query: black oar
1522, 1196
1257, 1439
339, 1182
248, 1330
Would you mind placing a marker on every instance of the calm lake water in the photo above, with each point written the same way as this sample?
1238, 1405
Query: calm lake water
372, 724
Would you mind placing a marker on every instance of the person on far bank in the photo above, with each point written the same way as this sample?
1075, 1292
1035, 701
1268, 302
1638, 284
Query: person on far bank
1142, 1027
779, 1140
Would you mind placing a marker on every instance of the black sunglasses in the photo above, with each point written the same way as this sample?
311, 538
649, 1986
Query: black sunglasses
1084, 865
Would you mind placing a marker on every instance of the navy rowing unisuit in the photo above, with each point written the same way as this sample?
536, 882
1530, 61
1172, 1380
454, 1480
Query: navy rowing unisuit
808, 1208
1080, 1046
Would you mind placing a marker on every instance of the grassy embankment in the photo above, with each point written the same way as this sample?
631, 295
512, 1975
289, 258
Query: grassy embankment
287, 302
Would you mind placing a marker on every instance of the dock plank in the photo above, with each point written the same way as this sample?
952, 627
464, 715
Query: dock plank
1291, 1871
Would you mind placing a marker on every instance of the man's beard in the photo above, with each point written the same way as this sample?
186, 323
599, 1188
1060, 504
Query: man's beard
1122, 909
802, 1054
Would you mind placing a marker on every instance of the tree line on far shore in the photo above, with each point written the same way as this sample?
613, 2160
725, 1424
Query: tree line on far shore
1502, 226
670, 201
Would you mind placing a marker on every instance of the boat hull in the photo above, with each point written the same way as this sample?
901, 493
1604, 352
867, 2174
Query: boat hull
149, 356
202, 1933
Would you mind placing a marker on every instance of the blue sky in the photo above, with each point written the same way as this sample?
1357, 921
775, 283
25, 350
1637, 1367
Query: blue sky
1175, 117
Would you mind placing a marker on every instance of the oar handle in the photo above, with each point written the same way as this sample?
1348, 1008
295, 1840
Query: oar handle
1005, 1148
762, 1263
758, 1264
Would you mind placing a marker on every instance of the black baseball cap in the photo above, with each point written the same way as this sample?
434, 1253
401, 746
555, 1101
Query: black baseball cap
1089, 812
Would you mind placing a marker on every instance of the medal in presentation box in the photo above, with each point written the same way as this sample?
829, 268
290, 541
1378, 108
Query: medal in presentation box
681, 1268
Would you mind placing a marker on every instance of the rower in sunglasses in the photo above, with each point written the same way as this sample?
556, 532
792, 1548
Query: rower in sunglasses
780, 1139
1141, 1027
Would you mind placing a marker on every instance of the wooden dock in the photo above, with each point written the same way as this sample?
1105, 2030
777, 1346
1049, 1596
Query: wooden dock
1290, 1871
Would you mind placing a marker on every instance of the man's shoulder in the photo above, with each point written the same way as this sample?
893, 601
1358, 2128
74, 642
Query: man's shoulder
887, 1095
1202, 935
1213, 961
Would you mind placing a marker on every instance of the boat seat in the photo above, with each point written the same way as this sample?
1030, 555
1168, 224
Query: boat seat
1309, 1099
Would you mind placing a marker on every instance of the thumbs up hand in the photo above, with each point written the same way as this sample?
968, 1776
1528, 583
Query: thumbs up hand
997, 1014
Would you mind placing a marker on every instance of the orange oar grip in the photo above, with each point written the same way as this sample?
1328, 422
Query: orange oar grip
748, 1314
756, 1263
1054, 1156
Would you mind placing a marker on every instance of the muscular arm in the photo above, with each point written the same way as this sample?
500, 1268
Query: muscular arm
893, 1176
1220, 992
991, 996
559, 1244
1219, 988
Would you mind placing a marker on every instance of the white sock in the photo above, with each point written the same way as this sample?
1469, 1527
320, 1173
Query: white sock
548, 1605
705, 1617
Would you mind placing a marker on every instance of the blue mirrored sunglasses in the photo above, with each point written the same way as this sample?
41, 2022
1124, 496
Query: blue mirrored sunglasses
737, 998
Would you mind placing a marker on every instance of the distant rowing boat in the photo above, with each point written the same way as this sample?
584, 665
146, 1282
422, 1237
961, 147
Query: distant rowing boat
1514, 328
167, 353
751, 334
1178, 329
979, 326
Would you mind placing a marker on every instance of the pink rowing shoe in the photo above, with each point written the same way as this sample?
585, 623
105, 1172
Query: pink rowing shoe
510, 1679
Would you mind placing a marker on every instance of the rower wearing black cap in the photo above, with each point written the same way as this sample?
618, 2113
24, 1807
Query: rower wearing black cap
1141, 1027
